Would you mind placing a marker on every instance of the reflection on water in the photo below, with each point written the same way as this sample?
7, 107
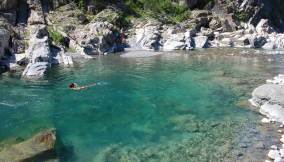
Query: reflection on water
169, 107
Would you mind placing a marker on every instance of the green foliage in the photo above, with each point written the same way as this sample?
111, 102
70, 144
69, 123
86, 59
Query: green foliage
242, 16
56, 37
158, 9
174, 13
81, 4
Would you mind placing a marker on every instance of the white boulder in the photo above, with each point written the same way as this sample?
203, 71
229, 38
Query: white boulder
269, 92
201, 42
175, 42
148, 35
273, 111
273, 154
263, 27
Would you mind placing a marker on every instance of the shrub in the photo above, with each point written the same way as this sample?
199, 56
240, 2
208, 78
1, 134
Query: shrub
56, 37
159, 8
242, 16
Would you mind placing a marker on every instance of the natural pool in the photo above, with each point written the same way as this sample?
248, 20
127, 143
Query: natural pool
171, 107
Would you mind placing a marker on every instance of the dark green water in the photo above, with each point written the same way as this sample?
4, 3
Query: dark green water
172, 107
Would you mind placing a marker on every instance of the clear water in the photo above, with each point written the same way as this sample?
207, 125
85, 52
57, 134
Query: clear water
172, 107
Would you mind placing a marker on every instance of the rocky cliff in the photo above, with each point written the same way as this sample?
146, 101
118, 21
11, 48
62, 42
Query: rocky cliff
38, 34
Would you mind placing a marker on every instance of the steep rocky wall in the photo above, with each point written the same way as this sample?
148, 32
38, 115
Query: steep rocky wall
8, 4
253, 10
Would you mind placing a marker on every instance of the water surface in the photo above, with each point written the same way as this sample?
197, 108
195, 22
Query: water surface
171, 107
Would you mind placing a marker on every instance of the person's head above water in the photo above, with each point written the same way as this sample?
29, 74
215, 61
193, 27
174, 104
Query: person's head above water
72, 85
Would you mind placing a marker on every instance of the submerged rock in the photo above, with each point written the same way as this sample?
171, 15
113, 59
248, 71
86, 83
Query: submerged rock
28, 150
35, 70
8, 4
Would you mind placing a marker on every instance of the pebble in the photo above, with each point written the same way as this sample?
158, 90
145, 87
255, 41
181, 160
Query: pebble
260, 146
273, 147
240, 154
273, 154
279, 131
278, 159
281, 152
281, 126
265, 120
243, 145
282, 140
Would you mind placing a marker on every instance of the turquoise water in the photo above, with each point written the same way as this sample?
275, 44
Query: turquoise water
171, 107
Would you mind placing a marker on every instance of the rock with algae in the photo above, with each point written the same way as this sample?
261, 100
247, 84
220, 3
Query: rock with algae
38, 145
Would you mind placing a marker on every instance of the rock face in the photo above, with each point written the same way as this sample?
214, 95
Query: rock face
39, 50
264, 27
8, 4
36, 146
175, 39
148, 35
4, 40
96, 38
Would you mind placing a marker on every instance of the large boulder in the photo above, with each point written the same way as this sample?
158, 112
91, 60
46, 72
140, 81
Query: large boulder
274, 41
270, 98
263, 27
38, 50
35, 70
258, 41
279, 41
96, 38
37, 146
201, 42
148, 35
175, 42
273, 111
272, 93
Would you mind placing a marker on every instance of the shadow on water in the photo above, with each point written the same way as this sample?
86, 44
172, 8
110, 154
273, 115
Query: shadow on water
64, 152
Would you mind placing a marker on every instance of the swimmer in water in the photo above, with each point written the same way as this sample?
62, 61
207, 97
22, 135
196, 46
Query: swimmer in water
74, 86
